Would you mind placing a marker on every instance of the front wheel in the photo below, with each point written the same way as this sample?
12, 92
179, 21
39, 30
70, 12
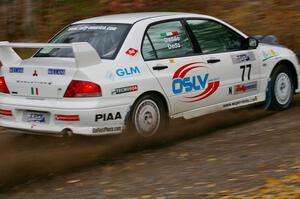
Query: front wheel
281, 89
149, 116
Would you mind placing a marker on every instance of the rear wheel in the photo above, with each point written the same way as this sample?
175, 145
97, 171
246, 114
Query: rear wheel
281, 89
149, 116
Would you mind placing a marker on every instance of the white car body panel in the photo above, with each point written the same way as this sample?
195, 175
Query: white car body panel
109, 113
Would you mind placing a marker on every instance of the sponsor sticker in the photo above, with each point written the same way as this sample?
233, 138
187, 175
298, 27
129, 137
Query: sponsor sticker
128, 71
108, 116
33, 82
132, 52
123, 90
269, 55
194, 78
94, 27
16, 70
245, 57
244, 88
52, 71
241, 102
172, 61
107, 129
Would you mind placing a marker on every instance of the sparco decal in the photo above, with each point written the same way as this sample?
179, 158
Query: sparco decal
126, 89
243, 88
184, 82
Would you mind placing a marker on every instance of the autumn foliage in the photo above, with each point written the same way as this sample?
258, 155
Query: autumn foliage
29, 20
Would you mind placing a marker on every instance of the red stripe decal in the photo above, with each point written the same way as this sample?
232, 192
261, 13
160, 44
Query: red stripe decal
177, 73
215, 87
67, 118
210, 86
5, 112
187, 70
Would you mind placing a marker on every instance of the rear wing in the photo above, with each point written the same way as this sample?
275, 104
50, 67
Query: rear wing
84, 54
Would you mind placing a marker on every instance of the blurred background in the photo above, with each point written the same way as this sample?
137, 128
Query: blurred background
38, 20
248, 149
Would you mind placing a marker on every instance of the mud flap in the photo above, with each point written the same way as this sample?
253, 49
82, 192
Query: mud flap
268, 101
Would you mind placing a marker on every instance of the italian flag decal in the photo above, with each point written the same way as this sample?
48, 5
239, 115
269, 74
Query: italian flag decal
34, 91
169, 34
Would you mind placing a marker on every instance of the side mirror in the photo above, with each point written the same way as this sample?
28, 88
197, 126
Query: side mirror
252, 43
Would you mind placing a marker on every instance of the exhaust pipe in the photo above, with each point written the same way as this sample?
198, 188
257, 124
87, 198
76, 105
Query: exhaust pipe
68, 132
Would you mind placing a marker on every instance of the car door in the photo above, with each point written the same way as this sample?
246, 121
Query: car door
227, 52
181, 72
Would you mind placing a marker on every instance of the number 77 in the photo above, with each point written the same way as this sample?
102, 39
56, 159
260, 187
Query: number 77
244, 67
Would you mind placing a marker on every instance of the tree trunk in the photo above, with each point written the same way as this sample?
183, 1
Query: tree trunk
28, 19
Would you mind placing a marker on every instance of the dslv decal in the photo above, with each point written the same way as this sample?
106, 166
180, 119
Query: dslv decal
183, 82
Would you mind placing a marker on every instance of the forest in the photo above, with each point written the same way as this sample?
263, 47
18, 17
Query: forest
38, 20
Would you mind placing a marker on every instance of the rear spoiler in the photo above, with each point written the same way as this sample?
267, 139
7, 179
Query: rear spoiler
84, 54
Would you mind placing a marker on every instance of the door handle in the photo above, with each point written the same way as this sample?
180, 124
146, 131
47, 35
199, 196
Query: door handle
212, 61
159, 67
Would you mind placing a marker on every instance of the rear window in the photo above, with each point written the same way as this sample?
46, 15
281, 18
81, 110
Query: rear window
105, 38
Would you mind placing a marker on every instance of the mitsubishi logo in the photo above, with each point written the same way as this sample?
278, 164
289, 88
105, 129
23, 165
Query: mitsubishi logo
35, 74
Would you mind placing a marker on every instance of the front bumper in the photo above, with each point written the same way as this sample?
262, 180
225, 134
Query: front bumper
93, 120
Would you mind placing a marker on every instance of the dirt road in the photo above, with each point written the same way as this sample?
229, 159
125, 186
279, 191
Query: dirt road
210, 157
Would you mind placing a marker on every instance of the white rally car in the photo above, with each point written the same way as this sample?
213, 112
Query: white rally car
103, 75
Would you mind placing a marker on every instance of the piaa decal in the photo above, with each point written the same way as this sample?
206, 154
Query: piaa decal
108, 116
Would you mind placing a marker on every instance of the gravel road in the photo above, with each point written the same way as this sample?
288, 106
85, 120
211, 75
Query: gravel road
217, 156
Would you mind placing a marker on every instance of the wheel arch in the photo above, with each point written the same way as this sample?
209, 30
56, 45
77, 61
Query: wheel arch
157, 93
152, 92
291, 67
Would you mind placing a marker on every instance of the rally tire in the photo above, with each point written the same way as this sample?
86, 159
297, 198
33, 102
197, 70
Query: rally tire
281, 89
148, 116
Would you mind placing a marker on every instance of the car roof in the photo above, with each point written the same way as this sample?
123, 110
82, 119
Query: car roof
131, 18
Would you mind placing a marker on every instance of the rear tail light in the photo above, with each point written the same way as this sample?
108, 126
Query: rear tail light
83, 89
3, 87
67, 118
5, 112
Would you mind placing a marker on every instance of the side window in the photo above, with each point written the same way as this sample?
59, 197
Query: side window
147, 50
169, 40
213, 37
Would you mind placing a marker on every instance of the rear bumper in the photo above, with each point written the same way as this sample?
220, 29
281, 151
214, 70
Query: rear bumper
93, 121
25, 128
